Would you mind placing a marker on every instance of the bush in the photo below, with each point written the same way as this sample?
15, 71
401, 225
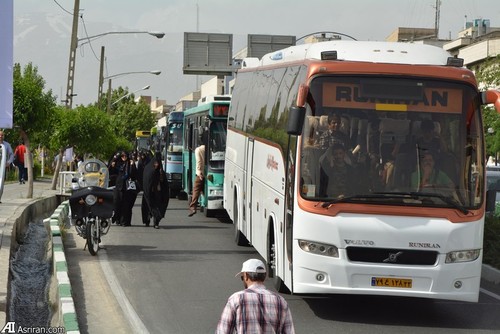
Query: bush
491, 254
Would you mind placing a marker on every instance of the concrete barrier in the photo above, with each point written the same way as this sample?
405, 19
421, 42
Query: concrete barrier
65, 314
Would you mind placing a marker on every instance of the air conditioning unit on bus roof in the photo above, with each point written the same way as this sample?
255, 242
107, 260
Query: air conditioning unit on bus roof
366, 51
214, 98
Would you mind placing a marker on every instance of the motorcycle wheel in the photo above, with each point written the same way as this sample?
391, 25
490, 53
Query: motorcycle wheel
93, 237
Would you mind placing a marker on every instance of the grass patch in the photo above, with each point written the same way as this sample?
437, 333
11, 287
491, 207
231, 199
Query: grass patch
491, 244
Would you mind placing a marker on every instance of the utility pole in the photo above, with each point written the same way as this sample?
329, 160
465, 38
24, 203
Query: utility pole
72, 56
436, 20
101, 77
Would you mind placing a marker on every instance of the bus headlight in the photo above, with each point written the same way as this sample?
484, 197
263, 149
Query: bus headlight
462, 256
319, 248
215, 192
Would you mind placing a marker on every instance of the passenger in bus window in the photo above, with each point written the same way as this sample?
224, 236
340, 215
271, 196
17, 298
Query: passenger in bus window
429, 139
333, 135
337, 177
427, 176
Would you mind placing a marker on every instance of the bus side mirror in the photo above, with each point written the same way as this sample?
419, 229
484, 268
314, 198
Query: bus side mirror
491, 200
296, 118
491, 97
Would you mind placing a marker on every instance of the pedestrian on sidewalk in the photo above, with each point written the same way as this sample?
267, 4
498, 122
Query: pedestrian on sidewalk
9, 158
19, 153
255, 309
8, 149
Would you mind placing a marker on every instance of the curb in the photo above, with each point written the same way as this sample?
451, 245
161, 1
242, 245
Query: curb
490, 274
66, 304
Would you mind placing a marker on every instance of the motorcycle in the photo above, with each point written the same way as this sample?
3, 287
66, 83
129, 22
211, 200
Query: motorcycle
91, 203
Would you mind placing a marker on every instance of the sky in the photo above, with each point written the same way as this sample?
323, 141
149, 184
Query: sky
42, 33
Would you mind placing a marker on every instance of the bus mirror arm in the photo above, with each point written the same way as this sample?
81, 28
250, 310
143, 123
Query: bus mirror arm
491, 97
302, 95
296, 120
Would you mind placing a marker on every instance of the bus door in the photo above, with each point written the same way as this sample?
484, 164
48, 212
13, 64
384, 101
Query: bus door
189, 155
246, 227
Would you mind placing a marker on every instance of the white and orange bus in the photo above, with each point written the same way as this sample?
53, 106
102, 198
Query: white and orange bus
368, 222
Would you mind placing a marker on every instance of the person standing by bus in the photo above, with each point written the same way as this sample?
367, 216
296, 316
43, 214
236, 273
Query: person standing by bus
255, 309
19, 158
200, 177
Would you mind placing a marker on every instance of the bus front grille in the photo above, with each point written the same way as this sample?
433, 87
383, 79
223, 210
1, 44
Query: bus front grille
392, 256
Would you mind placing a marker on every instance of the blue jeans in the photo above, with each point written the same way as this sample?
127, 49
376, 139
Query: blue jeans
23, 172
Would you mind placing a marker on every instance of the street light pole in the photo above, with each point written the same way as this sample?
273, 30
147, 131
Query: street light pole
155, 72
74, 45
127, 95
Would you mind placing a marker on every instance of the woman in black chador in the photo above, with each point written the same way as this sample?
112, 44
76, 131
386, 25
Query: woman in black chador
155, 193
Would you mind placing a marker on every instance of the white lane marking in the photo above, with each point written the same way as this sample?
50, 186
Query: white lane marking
489, 293
134, 320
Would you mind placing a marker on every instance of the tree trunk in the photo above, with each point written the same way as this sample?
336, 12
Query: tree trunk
58, 169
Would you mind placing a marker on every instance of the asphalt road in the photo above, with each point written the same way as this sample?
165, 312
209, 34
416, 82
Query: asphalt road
177, 280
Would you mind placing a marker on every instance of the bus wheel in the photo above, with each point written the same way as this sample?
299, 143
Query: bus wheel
239, 238
209, 213
271, 266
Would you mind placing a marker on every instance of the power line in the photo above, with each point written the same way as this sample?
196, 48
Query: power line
87, 36
57, 3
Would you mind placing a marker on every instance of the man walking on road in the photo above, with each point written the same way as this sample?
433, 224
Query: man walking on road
255, 309
199, 181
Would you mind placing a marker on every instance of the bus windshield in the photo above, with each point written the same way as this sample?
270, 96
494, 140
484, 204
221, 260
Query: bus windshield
217, 144
175, 138
392, 141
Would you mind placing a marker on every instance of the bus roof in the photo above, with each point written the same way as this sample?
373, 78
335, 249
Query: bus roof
214, 98
204, 107
366, 51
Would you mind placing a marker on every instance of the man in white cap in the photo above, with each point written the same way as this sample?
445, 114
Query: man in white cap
255, 309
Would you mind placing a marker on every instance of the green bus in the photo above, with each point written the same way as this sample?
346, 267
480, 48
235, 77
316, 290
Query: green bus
206, 125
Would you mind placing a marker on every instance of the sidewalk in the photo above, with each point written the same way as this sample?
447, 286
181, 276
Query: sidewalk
12, 209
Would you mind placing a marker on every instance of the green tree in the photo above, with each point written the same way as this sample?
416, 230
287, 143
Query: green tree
88, 130
488, 76
33, 110
128, 115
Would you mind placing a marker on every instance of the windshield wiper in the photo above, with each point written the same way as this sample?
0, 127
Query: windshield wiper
445, 199
364, 196
407, 195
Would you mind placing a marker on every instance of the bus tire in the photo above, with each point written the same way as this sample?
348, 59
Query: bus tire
272, 263
239, 238
209, 213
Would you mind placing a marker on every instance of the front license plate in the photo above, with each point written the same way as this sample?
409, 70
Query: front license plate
392, 282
